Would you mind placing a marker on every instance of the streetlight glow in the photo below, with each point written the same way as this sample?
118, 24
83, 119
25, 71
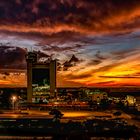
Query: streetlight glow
14, 98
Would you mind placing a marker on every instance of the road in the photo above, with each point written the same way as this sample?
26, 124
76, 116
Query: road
67, 114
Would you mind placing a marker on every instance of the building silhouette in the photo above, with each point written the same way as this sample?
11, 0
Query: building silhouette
41, 76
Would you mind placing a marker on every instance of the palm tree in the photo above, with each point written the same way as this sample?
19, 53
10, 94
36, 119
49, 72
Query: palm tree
57, 114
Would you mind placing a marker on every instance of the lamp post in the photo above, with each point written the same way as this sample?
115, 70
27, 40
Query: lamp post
55, 93
14, 98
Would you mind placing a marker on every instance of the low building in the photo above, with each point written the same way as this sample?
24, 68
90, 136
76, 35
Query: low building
97, 95
131, 100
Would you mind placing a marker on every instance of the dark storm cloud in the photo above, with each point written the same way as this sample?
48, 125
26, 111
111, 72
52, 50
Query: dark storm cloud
99, 56
80, 76
92, 15
61, 49
124, 53
42, 55
62, 41
70, 63
94, 62
12, 57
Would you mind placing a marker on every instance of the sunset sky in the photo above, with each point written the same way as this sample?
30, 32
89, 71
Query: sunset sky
95, 42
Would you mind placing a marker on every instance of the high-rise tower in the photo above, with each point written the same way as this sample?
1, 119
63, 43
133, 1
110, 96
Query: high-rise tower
41, 76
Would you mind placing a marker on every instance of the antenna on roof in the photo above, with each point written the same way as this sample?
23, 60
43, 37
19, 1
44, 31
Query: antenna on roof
31, 49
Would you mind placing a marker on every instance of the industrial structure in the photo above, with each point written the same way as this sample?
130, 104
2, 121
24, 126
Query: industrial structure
41, 76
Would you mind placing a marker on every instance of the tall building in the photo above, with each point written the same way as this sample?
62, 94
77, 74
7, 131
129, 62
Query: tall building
41, 76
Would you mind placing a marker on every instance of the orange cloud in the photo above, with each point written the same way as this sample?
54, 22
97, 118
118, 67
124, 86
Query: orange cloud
13, 79
109, 18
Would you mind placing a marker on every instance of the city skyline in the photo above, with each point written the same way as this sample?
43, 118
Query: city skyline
96, 43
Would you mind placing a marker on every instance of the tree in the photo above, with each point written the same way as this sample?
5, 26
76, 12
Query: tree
57, 114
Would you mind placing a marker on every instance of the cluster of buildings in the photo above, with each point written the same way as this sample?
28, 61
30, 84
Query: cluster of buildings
41, 87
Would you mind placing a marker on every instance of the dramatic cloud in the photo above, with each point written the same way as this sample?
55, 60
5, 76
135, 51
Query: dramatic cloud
120, 77
61, 49
124, 53
82, 76
110, 83
69, 15
99, 56
12, 57
72, 62
41, 55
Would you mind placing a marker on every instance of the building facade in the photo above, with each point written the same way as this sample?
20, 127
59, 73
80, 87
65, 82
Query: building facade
41, 76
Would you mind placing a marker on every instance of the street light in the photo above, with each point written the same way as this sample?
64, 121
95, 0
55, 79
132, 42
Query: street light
14, 98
